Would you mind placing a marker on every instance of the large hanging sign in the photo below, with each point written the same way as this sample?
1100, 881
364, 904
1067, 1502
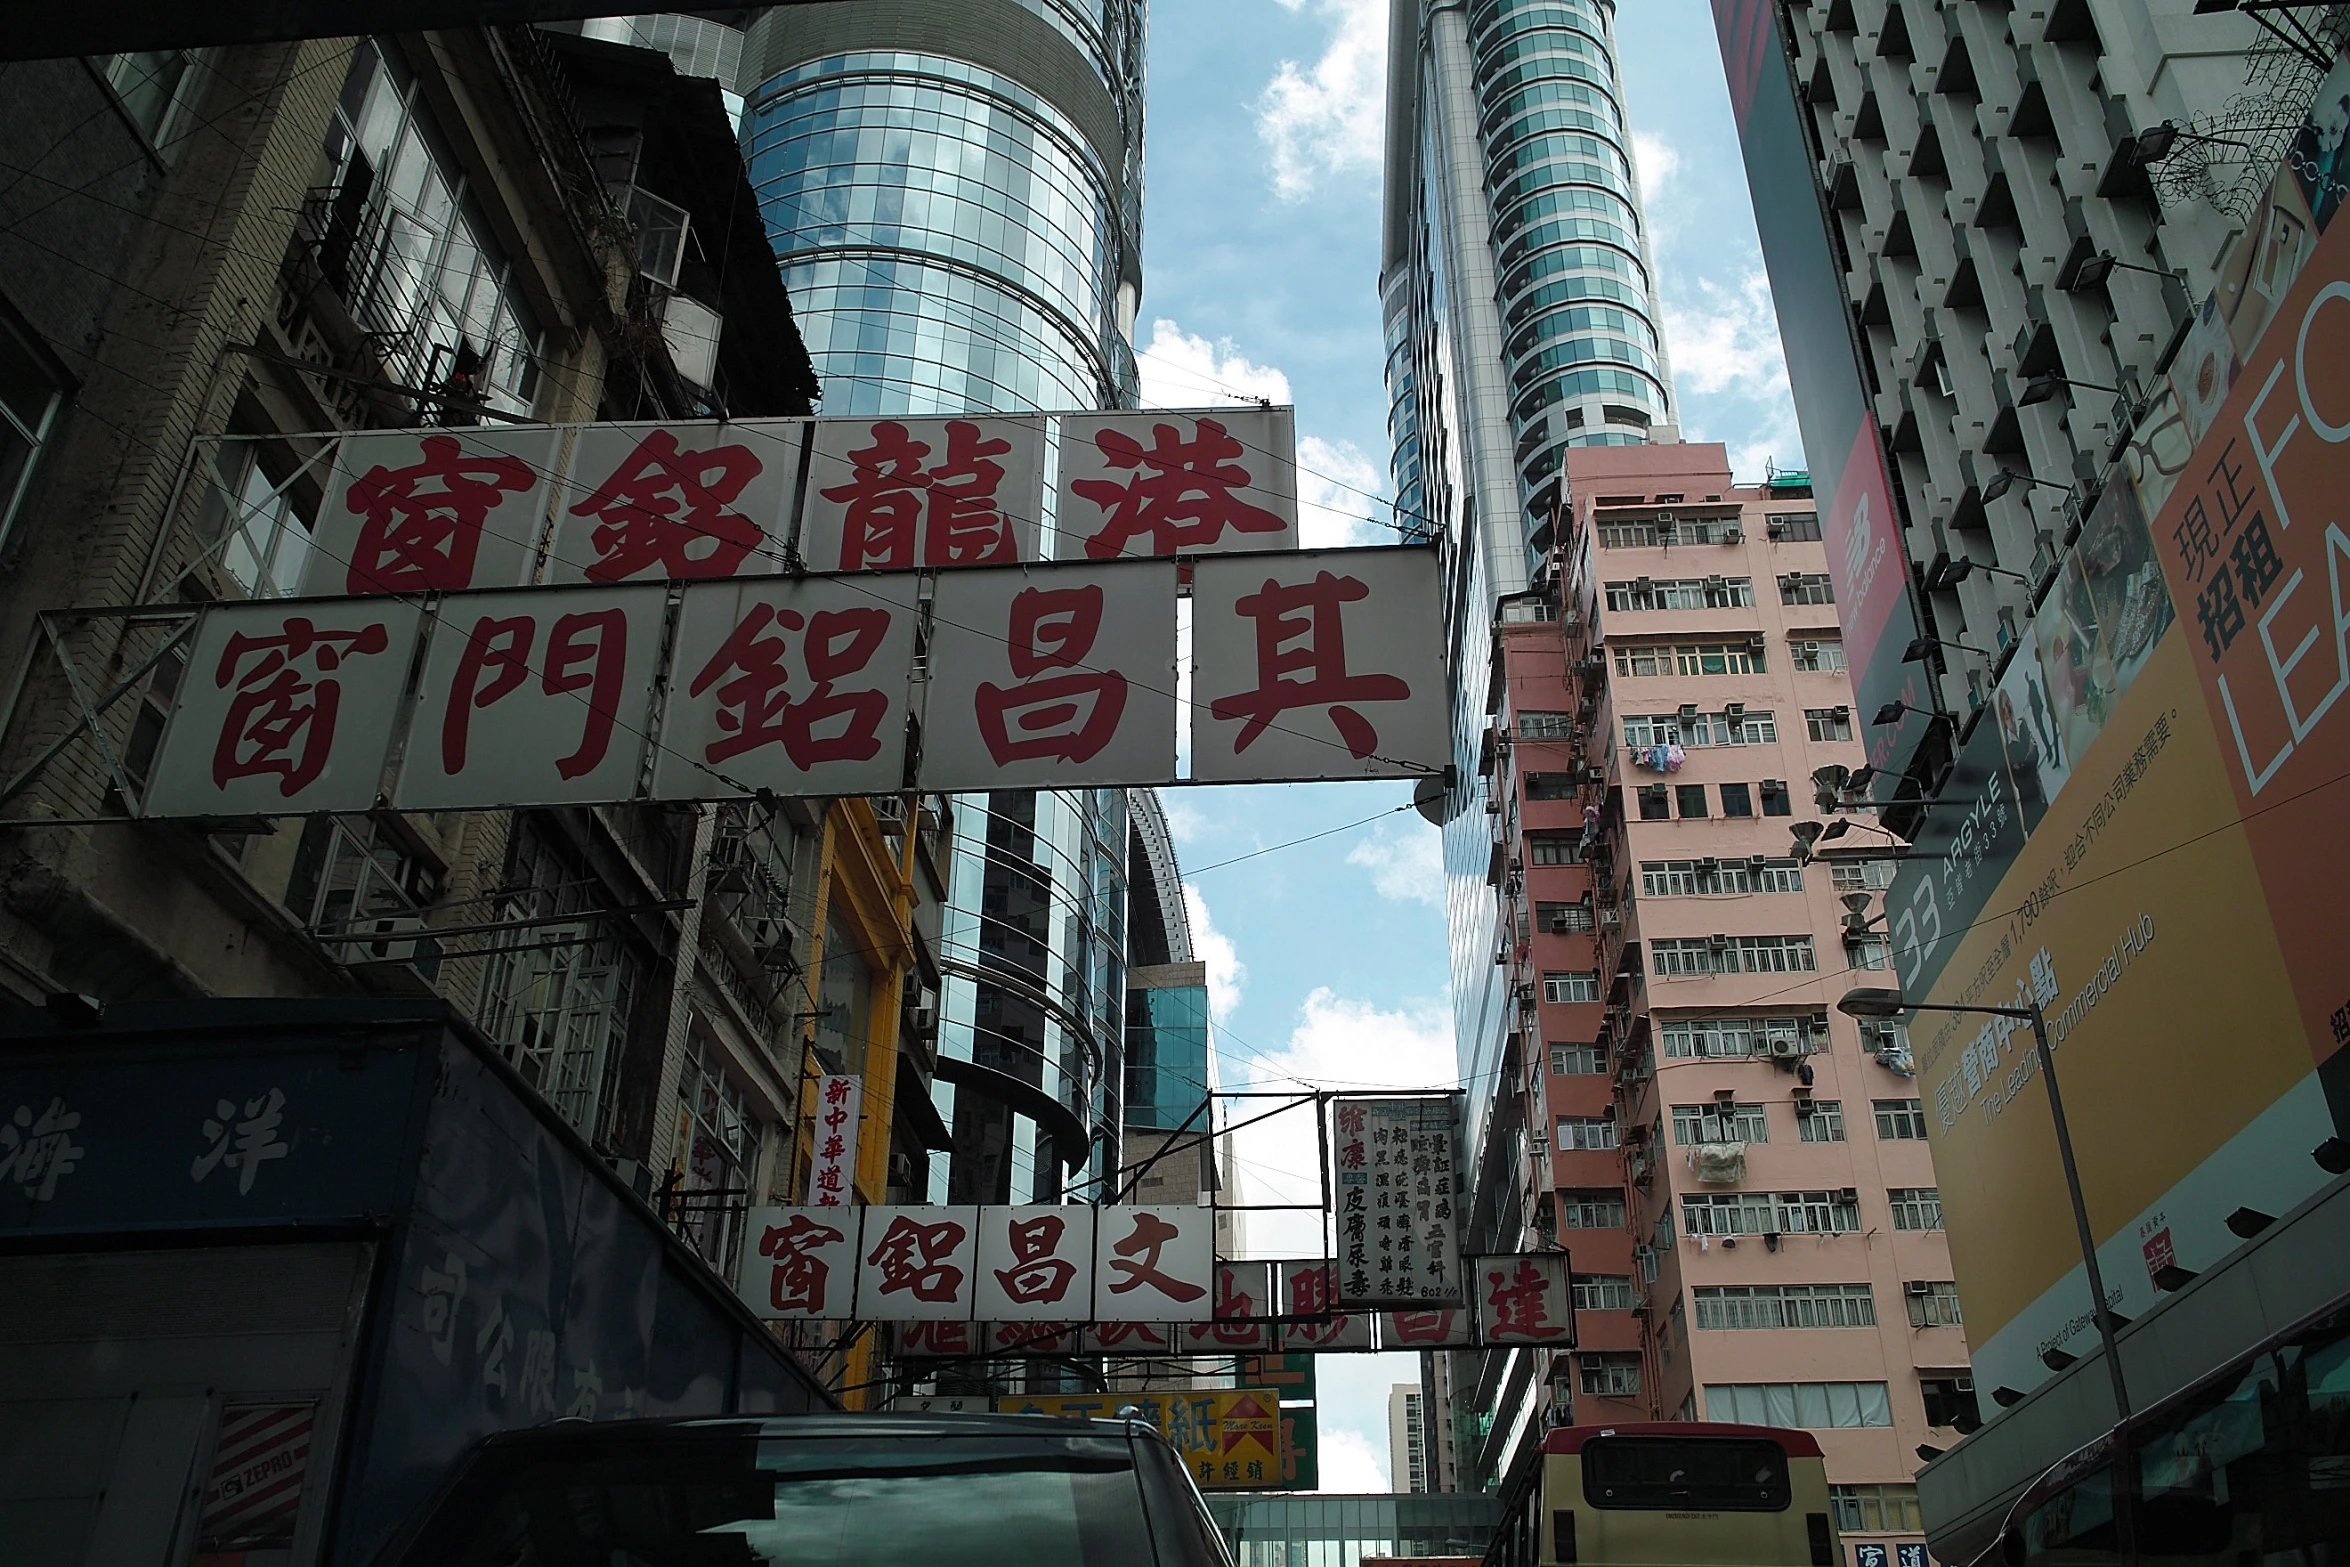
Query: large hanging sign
1317, 665
1397, 1200
1173, 483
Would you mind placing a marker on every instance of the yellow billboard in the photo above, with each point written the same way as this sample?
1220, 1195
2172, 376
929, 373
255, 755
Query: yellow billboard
1230, 1439
2144, 835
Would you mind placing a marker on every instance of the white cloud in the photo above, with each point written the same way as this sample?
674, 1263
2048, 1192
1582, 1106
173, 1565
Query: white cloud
1339, 492
1226, 973
1658, 161
1180, 370
1406, 863
1353, 1464
1185, 823
1329, 117
1724, 339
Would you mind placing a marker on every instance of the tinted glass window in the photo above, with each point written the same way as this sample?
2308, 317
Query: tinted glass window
1722, 1474
886, 1502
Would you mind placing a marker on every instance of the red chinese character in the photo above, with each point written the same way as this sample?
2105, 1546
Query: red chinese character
282, 719
1235, 1324
911, 1257
1521, 1302
1036, 1274
424, 522
1314, 611
831, 1182
1309, 1296
500, 650
836, 1090
1423, 1327
1138, 1260
889, 491
797, 1281
833, 1147
1036, 1338
661, 502
757, 705
1144, 1335
1350, 1155
935, 1338
1350, 1119
1068, 716
1181, 495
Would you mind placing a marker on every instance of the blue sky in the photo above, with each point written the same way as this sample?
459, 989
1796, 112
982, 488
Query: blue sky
1260, 278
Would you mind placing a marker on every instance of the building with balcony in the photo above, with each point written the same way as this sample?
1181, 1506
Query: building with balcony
1738, 1171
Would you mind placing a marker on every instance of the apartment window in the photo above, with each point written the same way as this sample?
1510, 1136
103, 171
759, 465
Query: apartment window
1641, 732
1828, 723
1719, 658
265, 538
1571, 985
1819, 658
1807, 1406
1876, 1509
1820, 1120
1933, 1303
1655, 804
1862, 875
1729, 1213
1682, 593
153, 88
1751, 729
1950, 1401
1604, 1292
1774, 798
30, 396
1806, 587
1690, 799
1546, 726
1866, 950
1901, 1120
154, 707
1737, 800
1916, 1207
1608, 1376
725, 1138
1554, 848
1578, 1060
1709, 1036
1777, 876
1548, 786
1735, 1123
1732, 1306
1794, 527
1559, 919
1682, 959
1585, 1134
1591, 1211
1819, 1213
1690, 955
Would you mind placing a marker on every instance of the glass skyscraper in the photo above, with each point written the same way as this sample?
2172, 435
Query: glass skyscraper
1521, 318
954, 189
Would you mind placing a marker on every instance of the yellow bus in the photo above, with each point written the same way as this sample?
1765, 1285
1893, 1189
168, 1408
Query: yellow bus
1676, 1494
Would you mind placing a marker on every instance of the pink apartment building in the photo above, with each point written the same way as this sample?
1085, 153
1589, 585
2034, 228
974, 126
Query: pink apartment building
1738, 1169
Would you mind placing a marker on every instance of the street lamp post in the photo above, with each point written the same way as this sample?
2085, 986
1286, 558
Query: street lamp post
1877, 1003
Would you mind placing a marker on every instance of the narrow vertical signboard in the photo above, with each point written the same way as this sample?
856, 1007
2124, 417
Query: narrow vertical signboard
832, 1156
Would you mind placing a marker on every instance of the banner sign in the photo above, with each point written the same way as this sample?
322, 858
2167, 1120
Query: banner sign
896, 494
1160, 484
2145, 811
1323, 665
832, 1162
1398, 1231
1525, 1299
1228, 1438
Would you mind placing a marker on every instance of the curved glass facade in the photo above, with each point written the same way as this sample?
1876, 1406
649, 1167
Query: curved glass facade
954, 194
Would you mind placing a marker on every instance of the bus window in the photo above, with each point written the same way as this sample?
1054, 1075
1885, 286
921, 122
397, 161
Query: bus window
2075, 1527
1712, 1474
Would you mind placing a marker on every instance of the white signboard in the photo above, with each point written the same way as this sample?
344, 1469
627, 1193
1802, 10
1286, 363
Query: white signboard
832, 1156
1310, 1309
1155, 1264
1142, 1339
1053, 678
800, 1265
915, 1264
1177, 483
433, 511
534, 698
799, 686
1319, 664
1036, 1264
1032, 1338
1397, 1229
1525, 1299
287, 707
1443, 1329
668, 502
896, 494
926, 1340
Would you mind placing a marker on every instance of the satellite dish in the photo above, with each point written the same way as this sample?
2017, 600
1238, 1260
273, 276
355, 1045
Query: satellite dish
1432, 797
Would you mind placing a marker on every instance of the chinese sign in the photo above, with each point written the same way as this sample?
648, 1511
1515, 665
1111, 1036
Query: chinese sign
1052, 677
1317, 664
898, 494
676, 502
832, 1161
1227, 1438
1525, 1299
432, 513
1169, 483
1045, 1269
1314, 1321
1396, 1194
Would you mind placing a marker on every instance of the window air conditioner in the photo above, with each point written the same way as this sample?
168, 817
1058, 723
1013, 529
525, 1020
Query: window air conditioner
1645, 586
1718, 943
1708, 866
1732, 533
1758, 863
1843, 713
1776, 528
1759, 643
1809, 649
1917, 1287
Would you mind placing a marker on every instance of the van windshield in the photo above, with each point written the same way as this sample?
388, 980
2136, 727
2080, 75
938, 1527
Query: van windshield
678, 1500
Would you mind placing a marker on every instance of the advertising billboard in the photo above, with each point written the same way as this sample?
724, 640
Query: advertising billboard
2143, 836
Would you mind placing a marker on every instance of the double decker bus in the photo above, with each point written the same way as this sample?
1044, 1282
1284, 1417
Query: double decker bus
1674, 1494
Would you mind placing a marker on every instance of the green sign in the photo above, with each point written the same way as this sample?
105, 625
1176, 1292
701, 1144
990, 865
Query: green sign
1292, 1376
1301, 1468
